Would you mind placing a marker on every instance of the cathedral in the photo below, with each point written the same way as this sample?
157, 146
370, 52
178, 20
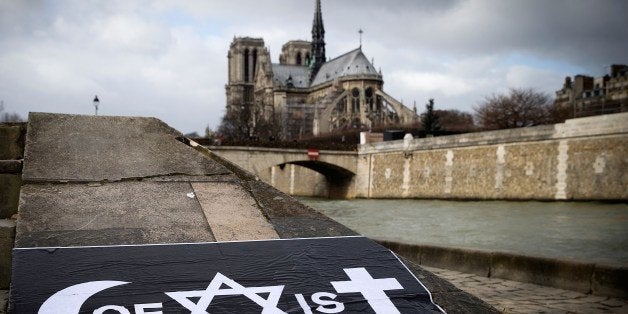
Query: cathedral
307, 93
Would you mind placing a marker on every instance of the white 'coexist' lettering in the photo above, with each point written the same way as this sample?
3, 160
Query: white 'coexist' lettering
70, 300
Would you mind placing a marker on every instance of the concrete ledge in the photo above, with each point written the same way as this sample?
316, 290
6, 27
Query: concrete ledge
598, 279
7, 237
610, 280
466, 261
564, 274
463, 260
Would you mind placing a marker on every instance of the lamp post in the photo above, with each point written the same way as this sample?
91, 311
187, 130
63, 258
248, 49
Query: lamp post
96, 103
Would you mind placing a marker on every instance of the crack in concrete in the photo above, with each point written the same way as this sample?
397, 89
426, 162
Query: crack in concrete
125, 179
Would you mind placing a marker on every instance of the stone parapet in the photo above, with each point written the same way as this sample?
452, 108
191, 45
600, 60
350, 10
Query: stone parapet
593, 126
581, 127
538, 133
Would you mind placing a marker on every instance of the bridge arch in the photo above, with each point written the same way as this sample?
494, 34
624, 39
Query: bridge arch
339, 180
338, 168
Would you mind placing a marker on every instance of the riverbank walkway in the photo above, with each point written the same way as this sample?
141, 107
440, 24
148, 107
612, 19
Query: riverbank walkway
519, 297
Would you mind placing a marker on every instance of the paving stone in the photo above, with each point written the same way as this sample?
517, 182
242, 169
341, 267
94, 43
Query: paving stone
595, 298
613, 302
75, 214
232, 212
516, 297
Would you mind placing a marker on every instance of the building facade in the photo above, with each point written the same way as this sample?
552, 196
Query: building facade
589, 96
307, 93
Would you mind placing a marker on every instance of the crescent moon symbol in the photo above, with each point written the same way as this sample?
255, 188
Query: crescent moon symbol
70, 299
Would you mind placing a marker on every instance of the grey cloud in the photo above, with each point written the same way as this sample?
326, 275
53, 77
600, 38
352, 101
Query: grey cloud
55, 56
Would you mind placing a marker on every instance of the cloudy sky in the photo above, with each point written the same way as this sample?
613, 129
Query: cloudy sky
168, 59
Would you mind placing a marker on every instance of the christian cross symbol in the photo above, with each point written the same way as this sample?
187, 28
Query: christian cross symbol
371, 289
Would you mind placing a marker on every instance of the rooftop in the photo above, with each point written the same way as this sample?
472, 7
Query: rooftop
300, 75
353, 62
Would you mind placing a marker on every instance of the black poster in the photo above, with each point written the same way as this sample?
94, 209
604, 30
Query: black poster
317, 275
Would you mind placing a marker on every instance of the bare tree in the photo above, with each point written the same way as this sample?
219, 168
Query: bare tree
519, 108
270, 127
455, 120
235, 123
245, 122
9, 116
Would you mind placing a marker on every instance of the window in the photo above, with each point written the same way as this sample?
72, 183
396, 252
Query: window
254, 67
355, 92
355, 100
246, 65
368, 94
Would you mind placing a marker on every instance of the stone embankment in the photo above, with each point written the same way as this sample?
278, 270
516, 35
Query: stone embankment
93, 181
581, 159
12, 137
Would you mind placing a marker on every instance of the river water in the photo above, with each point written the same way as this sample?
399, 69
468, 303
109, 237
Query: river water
584, 231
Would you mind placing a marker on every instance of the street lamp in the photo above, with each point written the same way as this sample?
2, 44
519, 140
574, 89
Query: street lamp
96, 103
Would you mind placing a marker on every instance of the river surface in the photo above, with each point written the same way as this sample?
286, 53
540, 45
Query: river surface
584, 231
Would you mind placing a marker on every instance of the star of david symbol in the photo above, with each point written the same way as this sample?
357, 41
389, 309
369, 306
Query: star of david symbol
269, 305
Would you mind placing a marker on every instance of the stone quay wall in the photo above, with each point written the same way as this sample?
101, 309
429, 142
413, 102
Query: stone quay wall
581, 159
11, 157
597, 279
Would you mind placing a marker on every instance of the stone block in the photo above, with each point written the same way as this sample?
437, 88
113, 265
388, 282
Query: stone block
12, 140
7, 236
462, 260
446, 295
11, 166
9, 194
409, 251
563, 274
231, 212
113, 213
610, 281
71, 147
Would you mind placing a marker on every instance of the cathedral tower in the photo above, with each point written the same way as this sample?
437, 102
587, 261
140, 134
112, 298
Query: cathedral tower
243, 58
318, 41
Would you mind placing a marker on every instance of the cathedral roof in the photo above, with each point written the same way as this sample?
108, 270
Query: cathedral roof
353, 62
300, 75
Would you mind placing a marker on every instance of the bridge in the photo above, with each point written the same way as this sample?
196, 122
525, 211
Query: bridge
580, 159
338, 168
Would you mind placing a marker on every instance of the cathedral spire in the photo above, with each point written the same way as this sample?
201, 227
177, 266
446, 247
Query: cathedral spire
318, 40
